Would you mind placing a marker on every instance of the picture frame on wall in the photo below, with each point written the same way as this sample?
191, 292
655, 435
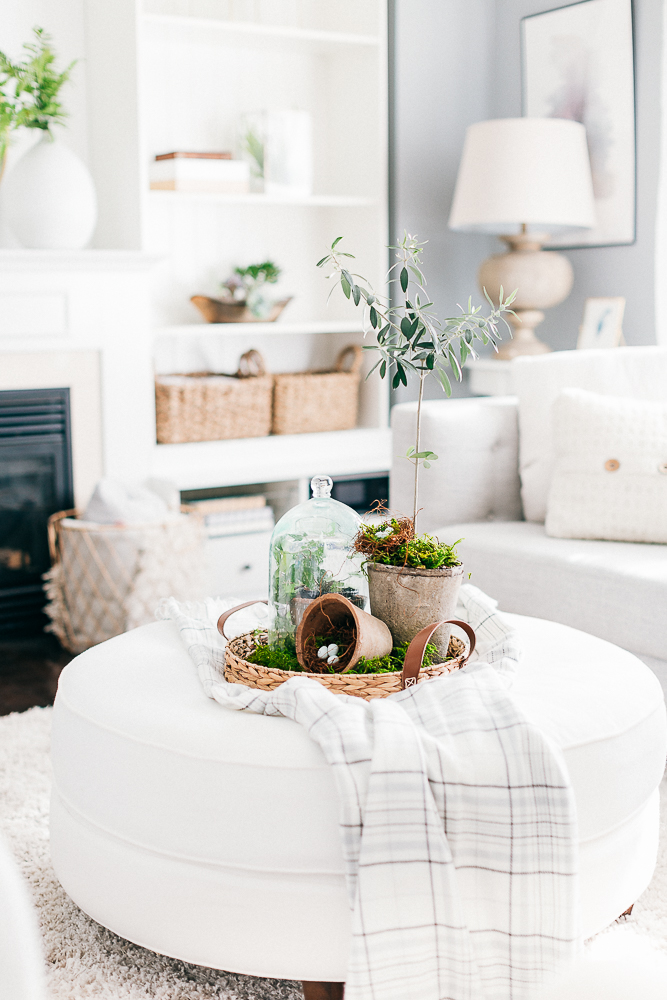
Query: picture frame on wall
577, 62
602, 325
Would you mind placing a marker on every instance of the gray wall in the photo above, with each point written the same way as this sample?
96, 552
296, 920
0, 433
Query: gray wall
623, 270
457, 62
442, 84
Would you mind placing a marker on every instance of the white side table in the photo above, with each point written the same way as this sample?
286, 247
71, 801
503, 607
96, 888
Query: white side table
490, 377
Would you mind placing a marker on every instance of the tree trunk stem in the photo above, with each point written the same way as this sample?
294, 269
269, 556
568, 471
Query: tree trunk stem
417, 442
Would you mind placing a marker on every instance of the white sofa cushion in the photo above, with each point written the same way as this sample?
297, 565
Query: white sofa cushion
615, 590
610, 478
476, 475
638, 372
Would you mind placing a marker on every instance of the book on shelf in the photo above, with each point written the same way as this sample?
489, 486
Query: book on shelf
183, 155
207, 175
234, 515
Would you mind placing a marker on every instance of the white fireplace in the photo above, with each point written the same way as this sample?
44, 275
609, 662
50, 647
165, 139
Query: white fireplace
80, 320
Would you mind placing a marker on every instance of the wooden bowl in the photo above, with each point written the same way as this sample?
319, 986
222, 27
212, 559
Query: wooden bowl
230, 311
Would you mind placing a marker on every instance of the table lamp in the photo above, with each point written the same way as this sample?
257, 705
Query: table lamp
525, 179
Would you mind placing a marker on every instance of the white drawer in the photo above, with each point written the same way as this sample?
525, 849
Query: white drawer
239, 565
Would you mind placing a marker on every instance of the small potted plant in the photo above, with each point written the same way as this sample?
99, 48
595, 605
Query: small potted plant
246, 300
413, 580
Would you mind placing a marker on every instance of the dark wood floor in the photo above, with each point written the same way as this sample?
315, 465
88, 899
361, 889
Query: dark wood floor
29, 671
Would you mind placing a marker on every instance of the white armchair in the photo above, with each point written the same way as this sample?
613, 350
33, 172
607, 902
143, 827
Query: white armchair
494, 467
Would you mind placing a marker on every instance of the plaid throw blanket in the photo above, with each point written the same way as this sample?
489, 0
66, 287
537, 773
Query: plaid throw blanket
456, 816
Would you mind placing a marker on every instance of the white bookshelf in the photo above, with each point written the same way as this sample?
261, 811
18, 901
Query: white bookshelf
178, 74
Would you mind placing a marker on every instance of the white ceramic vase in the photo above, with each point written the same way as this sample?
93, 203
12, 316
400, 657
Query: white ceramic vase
49, 198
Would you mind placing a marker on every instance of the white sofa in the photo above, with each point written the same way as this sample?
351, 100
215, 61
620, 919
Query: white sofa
490, 484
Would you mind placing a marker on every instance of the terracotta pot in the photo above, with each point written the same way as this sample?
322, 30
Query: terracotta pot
408, 599
331, 612
221, 311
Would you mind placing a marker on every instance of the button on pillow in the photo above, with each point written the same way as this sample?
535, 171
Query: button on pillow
611, 459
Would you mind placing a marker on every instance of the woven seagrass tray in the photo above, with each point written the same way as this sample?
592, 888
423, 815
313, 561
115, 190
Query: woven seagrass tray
239, 671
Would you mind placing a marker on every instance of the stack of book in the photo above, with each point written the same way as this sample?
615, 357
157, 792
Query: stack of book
215, 173
234, 515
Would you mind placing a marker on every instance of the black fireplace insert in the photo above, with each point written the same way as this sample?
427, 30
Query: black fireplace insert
35, 482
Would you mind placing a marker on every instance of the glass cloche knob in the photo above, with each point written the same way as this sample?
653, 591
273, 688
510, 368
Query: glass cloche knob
321, 486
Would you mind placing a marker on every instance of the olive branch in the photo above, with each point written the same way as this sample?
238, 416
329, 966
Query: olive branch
410, 338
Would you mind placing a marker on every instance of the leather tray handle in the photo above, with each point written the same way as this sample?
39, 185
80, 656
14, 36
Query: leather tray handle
415, 654
227, 614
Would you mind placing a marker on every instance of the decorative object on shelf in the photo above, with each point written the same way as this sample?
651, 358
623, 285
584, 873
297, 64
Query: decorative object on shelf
49, 196
412, 581
412, 665
278, 146
330, 617
228, 311
215, 173
410, 339
246, 301
308, 402
524, 179
108, 578
247, 287
577, 63
603, 323
312, 553
202, 406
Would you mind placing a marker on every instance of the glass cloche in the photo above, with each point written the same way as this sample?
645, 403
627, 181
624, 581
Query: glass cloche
312, 553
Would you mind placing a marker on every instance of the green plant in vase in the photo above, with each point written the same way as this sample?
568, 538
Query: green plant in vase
413, 581
36, 84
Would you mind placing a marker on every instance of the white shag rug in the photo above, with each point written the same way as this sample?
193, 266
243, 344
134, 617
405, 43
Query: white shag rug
86, 960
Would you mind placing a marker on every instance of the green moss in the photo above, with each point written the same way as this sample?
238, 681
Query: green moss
393, 544
393, 662
283, 657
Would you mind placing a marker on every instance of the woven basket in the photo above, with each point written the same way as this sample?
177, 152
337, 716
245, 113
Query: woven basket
108, 578
367, 686
305, 402
203, 407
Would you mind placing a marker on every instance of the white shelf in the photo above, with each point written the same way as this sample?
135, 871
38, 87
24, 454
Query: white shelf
204, 27
307, 201
277, 458
246, 329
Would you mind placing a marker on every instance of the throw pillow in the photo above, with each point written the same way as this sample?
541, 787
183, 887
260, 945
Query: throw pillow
610, 479
639, 372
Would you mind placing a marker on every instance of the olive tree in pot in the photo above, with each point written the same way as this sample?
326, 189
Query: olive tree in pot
413, 580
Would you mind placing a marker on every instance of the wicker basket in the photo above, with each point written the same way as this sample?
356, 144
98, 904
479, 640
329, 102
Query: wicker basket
108, 578
306, 402
201, 406
367, 686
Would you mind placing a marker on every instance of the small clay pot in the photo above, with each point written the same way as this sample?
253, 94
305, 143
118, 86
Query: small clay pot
408, 599
333, 613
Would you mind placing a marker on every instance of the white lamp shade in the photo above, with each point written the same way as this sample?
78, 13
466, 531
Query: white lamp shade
524, 170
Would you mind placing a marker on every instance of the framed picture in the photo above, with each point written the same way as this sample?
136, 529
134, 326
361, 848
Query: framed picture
603, 323
577, 63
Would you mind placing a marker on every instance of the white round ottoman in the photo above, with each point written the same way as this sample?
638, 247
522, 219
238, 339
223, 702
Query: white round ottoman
212, 836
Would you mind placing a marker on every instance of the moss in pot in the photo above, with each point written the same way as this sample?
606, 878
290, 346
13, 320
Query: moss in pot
412, 581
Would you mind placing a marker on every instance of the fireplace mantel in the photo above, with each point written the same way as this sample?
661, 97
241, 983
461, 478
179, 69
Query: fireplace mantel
81, 320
